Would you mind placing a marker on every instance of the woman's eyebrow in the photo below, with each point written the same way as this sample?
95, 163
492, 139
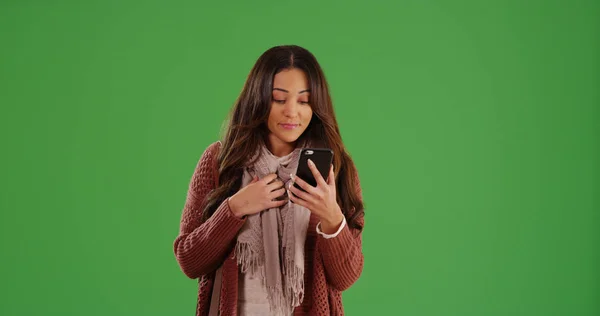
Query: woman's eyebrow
303, 91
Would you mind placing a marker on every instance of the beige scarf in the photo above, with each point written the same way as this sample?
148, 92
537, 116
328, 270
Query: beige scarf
271, 243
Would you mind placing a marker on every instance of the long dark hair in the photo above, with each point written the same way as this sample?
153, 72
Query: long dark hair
247, 129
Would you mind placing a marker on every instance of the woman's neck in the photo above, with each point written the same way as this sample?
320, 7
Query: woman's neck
278, 147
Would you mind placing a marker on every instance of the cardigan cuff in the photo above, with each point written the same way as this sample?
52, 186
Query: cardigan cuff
336, 249
328, 236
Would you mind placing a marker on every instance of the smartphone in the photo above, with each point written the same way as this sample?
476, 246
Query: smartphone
322, 157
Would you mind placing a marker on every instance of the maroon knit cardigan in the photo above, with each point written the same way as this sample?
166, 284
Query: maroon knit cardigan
331, 265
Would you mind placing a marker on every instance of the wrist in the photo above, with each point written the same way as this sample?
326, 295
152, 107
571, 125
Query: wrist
332, 223
235, 210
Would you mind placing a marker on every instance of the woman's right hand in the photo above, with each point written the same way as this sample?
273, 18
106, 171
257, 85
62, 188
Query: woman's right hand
257, 196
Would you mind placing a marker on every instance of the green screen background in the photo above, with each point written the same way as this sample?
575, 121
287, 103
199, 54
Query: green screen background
475, 126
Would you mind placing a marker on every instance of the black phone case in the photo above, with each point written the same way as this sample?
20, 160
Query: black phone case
322, 157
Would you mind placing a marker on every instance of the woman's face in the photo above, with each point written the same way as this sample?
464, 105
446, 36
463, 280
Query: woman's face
290, 108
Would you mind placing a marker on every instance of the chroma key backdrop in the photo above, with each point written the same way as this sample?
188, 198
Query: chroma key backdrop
474, 125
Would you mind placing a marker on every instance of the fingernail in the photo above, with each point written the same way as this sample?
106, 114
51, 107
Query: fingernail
311, 162
292, 176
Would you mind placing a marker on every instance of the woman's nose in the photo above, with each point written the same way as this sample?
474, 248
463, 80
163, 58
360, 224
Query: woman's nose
290, 108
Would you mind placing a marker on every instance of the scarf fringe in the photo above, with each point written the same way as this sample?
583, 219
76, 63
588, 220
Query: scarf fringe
294, 283
293, 292
280, 305
249, 260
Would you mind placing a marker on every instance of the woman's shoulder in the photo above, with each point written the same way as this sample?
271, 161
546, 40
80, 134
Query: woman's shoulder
205, 172
210, 153
209, 156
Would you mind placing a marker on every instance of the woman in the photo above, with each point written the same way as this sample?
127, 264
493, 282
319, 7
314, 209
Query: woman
257, 244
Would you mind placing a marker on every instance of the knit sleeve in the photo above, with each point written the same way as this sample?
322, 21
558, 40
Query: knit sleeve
342, 256
200, 246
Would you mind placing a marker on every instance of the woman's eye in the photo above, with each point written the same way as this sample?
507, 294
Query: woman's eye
283, 101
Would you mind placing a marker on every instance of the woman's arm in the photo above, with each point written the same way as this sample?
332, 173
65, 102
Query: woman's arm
342, 255
201, 247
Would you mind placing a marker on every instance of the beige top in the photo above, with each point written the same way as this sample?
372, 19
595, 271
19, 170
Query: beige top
252, 297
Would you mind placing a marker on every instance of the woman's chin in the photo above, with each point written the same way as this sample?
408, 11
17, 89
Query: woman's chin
290, 139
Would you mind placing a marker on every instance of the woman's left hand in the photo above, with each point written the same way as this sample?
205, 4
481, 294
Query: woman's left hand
320, 200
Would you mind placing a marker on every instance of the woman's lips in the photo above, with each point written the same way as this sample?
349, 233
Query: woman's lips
288, 126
